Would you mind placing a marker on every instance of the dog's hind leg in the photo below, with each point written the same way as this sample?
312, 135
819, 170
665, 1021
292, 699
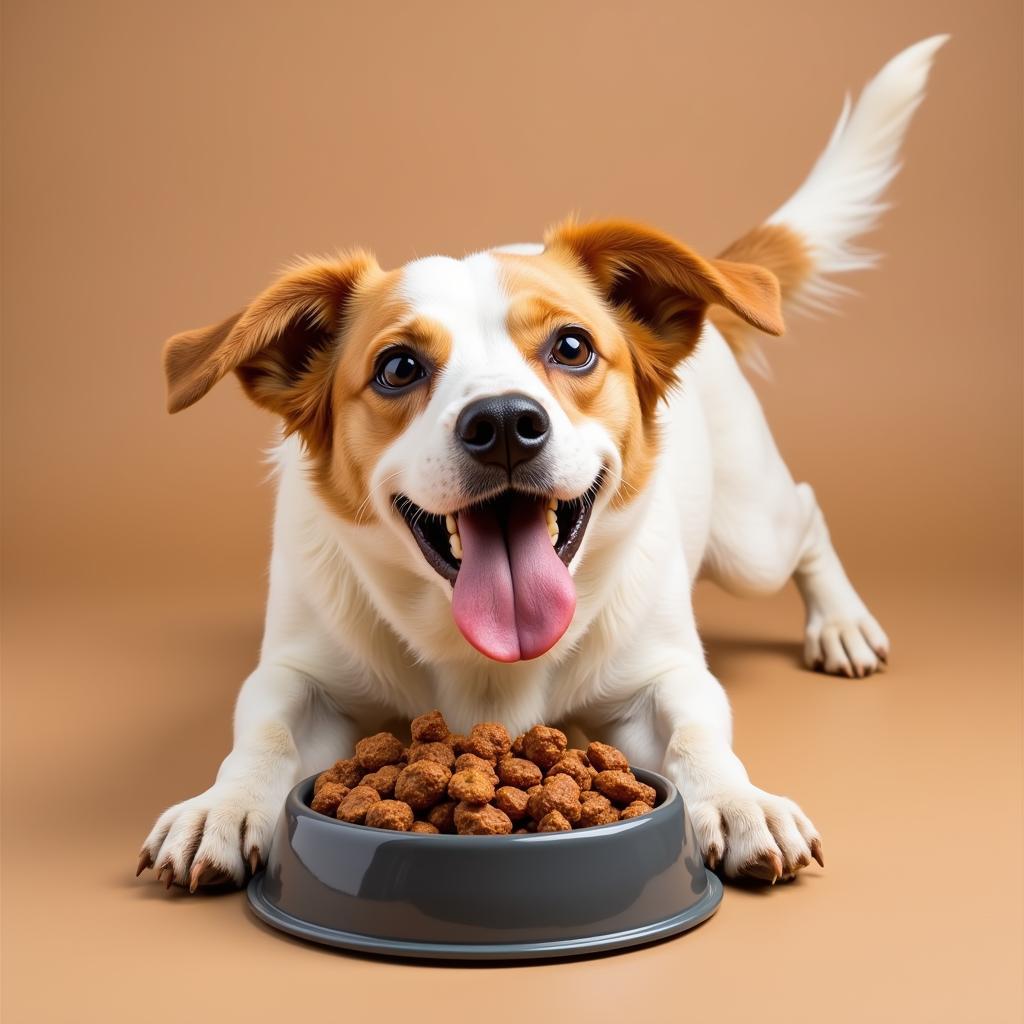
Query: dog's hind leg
766, 529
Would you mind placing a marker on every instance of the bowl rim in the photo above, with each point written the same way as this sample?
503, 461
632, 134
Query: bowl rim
297, 805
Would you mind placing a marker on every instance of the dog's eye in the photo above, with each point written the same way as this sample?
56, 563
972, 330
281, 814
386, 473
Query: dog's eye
397, 370
572, 347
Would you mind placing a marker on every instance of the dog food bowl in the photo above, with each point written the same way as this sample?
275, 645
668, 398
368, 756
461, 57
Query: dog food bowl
551, 894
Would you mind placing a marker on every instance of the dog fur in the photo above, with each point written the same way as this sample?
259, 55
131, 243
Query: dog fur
359, 628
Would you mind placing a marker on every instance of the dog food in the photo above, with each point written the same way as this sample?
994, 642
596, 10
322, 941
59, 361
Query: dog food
484, 783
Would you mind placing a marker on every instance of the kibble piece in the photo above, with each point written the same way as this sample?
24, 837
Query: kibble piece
512, 801
439, 752
383, 780
517, 771
606, 758
471, 786
355, 805
422, 783
390, 814
346, 771
425, 827
544, 745
559, 793
442, 816
455, 741
520, 831
481, 820
430, 728
327, 798
623, 788
581, 754
596, 809
516, 749
574, 768
464, 761
635, 809
494, 735
376, 751
553, 822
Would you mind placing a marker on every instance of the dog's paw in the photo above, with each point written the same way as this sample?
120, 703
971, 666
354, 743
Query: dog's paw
752, 834
854, 647
213, 839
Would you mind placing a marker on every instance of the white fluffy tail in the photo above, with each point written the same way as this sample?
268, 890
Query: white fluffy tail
840, 198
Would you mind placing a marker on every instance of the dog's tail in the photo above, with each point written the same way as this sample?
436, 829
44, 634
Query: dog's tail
808, 239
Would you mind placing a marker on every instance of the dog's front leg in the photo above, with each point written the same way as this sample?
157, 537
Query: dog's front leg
213, 837
746, 830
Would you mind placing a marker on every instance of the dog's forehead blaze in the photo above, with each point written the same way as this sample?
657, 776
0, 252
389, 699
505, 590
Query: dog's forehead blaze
546, 291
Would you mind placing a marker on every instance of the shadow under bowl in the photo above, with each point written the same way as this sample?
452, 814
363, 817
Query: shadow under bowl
485, 897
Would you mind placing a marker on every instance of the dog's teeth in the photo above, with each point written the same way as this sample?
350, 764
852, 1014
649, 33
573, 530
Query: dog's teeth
553, 504
456, 545
451, 524
552, 520
554, 538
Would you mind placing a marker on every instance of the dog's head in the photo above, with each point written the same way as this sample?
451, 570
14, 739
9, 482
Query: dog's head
484, 410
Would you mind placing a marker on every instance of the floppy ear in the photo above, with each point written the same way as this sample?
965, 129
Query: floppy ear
663, 289
280, 346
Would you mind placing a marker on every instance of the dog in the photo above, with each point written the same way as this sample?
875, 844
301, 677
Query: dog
500, 476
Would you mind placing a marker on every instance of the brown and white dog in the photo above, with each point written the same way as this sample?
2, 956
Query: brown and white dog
492, 499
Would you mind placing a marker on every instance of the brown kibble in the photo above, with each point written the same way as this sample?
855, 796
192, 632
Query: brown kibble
430, 728
481, 820
376, 751
347, 771
559, 793
464, 761
517, 771
327, 798
471, 786
544, 745
577, 753
596, 809
422, 783
442, 816
439, 752
553, 822
635, 809
520, 831
574, 768
425, 827
517, 745
455, 741
512, 801
383, 780
606, 758
623, 788
390, 814
355, 805
493, 733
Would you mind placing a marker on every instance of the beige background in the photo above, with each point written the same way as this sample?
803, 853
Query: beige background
162, 160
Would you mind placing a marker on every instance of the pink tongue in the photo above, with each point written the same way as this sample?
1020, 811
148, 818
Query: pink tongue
514, 597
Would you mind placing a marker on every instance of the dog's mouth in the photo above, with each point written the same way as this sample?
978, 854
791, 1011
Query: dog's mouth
507, 558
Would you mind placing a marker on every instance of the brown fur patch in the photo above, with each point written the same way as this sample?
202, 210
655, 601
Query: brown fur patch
661, 291
547, 292
780, 250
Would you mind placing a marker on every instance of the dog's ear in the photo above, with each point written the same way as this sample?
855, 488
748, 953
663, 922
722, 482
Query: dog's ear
280, 346
663, 289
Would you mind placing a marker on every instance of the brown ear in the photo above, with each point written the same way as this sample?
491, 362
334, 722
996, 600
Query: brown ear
280, 346
663, 289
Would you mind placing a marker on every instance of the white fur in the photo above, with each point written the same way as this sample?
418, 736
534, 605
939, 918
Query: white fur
359, 630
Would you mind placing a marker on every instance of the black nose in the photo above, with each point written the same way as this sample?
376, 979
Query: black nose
503, 430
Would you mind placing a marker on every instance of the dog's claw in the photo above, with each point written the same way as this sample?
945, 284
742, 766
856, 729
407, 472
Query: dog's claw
816, 852
145, 861
170, 876
768, 867
712, 858
254, 859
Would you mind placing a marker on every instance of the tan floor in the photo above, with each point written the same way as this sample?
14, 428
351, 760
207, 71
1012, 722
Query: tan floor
913, 778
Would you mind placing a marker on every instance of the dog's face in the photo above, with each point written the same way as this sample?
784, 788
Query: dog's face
485, 410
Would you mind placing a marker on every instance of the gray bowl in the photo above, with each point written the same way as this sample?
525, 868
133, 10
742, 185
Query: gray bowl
485, 897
